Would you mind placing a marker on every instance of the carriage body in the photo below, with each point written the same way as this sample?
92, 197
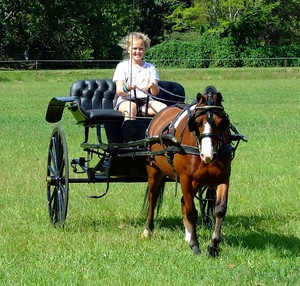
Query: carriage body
120, 148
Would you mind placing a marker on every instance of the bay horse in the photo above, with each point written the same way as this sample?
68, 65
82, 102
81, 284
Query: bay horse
193, 147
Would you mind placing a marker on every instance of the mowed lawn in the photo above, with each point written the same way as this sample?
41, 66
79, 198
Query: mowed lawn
101, 243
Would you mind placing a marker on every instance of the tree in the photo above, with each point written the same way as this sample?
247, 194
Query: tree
271, 23
76, 29
61, 29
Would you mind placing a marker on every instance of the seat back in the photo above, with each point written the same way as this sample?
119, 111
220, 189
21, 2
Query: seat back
171, 92
97, 98
101, 93
94, 93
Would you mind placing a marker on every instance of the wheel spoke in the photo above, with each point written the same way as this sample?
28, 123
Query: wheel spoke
51, 197
206, 197
54, 152
51, 170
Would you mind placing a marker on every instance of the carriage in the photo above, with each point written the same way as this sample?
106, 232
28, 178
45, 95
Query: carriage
122, 151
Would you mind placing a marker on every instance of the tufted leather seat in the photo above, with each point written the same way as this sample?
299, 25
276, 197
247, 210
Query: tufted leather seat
96, 99
94, 93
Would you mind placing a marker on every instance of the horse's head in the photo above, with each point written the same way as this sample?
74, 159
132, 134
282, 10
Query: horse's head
209, 121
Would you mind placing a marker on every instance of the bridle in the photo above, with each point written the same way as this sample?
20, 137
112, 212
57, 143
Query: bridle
209, 111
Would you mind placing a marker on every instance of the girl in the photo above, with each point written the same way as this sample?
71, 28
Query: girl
135, 78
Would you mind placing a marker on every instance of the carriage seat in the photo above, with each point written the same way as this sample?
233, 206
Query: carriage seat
96, 98
92, 101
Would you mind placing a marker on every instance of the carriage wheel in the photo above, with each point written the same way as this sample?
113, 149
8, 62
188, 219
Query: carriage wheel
58, 177
207, 200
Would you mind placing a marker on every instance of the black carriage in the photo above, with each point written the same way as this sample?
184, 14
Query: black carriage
92, 104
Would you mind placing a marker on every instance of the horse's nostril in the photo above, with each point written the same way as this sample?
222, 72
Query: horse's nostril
205, 159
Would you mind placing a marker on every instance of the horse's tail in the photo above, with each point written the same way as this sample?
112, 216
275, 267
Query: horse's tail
161, 190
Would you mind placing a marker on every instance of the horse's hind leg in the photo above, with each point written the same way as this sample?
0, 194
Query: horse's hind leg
154, 189
220, 212
190, 217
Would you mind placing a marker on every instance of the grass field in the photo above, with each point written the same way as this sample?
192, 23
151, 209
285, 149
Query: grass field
101, 242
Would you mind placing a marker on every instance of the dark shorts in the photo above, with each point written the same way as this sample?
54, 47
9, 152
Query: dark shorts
140, 102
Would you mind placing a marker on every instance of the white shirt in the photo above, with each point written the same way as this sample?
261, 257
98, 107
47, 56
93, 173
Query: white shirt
140, 76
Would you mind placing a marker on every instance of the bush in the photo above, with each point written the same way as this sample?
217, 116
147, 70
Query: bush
213, 50
267, 56
209, 50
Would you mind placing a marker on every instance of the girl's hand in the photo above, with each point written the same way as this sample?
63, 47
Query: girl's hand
126, 88
131, 87
152, 85
154, 89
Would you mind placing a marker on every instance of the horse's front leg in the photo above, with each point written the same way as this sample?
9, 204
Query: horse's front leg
190, 217
220, 212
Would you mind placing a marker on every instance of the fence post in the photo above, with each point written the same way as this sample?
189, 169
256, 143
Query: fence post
36, 67
285, 64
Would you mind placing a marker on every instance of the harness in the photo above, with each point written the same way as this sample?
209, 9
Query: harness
171, 146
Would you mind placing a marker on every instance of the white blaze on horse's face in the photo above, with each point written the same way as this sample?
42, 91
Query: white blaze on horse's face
207, 153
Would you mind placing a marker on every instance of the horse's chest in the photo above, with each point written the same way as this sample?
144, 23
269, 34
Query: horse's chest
210, 172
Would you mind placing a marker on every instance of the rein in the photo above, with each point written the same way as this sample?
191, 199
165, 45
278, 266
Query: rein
149, 95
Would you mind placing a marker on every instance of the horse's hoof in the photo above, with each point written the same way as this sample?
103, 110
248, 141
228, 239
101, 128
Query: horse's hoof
146, 233
196, 250
212, 251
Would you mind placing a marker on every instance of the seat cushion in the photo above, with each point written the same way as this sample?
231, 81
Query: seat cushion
104, 115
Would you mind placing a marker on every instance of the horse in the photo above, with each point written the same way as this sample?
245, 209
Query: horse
192, 147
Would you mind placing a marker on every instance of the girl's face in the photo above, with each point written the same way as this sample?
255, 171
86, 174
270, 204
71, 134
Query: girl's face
137, 50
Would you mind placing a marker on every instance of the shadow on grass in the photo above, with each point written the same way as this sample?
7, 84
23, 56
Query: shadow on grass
240, 231
248, 232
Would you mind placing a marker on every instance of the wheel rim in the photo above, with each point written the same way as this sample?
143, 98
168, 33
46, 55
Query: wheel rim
58, 178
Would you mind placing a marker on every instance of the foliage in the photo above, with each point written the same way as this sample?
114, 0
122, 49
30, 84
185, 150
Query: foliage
210, 50
61, 29
91, 29
264, 25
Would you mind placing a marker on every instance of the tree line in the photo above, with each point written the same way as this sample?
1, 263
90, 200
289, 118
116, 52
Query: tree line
192, 29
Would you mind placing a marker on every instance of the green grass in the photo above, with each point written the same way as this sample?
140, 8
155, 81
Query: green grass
101, 243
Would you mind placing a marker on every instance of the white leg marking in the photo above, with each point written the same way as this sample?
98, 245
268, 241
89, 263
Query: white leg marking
188, 235
146, 233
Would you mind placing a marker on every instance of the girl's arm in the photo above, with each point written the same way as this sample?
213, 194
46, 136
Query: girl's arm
154, 89
122, 89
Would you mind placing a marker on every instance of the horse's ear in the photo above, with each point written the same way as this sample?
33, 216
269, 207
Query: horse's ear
219, 98
198, 97
191, 123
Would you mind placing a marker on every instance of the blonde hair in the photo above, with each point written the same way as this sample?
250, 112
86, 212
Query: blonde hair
127, 41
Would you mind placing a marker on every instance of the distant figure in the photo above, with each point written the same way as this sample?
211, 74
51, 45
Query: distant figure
26, 54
